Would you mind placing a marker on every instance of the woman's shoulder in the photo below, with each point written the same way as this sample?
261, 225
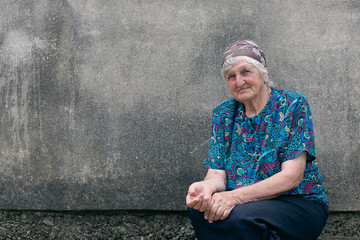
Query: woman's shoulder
290, 95
227, 106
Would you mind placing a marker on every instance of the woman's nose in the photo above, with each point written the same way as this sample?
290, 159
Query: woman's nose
239, 80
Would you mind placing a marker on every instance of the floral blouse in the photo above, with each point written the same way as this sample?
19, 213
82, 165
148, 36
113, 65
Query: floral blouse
253, 149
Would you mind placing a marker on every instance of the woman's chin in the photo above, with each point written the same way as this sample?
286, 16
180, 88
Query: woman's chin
243, 97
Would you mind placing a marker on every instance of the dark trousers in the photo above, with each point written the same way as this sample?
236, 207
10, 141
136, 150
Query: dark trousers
285, 218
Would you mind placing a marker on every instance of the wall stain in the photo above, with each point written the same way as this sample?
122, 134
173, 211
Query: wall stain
98, 156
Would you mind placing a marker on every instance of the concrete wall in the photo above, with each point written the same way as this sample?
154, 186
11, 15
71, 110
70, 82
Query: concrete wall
106, 104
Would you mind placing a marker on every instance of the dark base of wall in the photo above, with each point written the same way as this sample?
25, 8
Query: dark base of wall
139, 225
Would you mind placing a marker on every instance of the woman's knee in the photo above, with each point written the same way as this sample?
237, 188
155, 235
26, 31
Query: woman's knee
239, 224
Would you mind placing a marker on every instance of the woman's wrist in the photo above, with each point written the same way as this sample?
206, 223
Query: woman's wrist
239, 196
216, 186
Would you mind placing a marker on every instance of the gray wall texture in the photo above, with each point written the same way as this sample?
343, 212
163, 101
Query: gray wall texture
106, 104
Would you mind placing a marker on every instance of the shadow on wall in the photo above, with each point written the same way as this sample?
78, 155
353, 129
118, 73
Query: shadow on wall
45, 121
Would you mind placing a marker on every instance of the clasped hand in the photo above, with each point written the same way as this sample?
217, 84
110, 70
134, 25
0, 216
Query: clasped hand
215, 205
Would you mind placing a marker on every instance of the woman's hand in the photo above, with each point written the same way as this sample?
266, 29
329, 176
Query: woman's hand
222, 203
199, 196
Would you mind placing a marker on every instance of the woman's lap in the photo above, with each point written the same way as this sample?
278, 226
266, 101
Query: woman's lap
285, 217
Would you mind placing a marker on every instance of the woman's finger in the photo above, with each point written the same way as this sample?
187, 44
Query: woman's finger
218, 214
197, 202
225, 214
208, 211
212, 213
205, 203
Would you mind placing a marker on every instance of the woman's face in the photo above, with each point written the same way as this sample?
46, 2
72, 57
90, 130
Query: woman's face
245, 82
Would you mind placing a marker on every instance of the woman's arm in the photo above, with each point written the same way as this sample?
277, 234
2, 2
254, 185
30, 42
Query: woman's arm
199, 194
290, 176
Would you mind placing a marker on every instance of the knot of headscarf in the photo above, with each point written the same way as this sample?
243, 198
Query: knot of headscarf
244, 48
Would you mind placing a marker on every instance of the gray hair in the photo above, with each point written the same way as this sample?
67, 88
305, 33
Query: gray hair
231, 61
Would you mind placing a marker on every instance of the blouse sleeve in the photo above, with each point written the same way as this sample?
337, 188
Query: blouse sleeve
220, 136
300, 136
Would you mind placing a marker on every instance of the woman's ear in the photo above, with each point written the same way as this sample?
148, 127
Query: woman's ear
266, 78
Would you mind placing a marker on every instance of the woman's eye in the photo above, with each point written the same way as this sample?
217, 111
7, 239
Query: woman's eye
245, 71
231, 77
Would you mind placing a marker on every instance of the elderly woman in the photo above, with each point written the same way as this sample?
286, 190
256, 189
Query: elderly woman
262, 181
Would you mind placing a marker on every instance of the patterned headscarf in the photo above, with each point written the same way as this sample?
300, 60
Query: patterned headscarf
244, 48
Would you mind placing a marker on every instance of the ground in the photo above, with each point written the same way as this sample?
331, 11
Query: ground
139, 225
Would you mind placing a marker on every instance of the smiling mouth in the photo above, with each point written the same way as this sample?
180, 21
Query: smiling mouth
242, 89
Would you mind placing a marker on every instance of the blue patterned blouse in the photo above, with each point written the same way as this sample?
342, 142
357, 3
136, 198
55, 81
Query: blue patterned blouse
252, 149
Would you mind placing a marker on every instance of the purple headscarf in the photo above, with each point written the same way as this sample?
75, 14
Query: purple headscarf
244, 48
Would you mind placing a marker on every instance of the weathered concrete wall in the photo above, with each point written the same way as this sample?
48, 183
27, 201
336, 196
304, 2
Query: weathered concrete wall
107, 104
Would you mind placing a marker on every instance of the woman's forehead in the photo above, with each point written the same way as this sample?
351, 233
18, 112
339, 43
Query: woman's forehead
240, 65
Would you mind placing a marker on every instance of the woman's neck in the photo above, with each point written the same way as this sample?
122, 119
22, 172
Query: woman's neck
253, 108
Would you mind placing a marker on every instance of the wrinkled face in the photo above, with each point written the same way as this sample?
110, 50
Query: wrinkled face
245, 82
